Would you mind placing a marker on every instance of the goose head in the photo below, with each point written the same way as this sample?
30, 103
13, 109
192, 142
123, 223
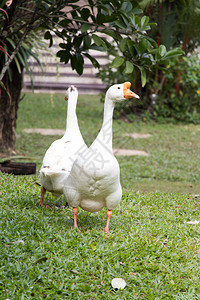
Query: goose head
72, 90
120, 92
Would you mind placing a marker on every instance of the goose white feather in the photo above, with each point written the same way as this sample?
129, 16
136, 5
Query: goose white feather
94, 181
60, 156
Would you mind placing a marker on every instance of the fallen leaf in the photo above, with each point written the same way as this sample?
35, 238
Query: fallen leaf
41, 259
93, 247
19, 242
118, 283
74, 271
192, 222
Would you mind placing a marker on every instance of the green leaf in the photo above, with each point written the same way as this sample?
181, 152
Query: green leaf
144, 45
144, 20
117, 62
162, 50
64, 23
77, 41
25, 57
86, 42
98, 41
48, 36
93, 247
98, 48
110, 33
25, 46
93, 60
11, 42
126, 6
174, 52
34, 55
85, 13
18, 65
63, 45
77, 63
143, 75
120, 24
135, 20
85, 27
21, 58
64, 56
123, 44
137, 11
131, 48
129, 67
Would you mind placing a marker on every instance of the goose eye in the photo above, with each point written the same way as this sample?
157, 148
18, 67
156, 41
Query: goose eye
118, 88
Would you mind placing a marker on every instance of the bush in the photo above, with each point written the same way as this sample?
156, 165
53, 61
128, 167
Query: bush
179, 97
170, 95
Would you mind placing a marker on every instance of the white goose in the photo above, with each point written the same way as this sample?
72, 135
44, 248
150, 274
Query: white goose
60, 156
94, 181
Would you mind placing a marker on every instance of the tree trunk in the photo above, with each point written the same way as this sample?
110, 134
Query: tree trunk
8, 109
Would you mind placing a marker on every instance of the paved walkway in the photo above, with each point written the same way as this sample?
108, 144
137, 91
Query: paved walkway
117, 152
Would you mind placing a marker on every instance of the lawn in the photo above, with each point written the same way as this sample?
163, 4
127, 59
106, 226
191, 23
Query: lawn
152, 245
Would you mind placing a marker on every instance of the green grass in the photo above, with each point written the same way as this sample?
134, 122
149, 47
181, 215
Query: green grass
151, 246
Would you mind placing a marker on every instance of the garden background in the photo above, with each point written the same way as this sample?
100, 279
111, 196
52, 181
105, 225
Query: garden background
154, 242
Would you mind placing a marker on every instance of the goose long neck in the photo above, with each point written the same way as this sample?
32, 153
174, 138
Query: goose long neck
105, 134
72, 121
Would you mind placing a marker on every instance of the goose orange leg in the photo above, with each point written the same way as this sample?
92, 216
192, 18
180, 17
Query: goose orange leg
109, 214
43, 191
41, 203
75, 213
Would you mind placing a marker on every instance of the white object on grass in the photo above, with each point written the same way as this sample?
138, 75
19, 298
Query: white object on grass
118, 283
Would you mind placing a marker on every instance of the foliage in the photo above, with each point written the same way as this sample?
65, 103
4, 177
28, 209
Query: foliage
178, 22
19, 36
76, 26
184, 105
123, 22
177, 26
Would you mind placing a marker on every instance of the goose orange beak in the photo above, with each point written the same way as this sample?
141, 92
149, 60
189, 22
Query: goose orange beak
128, 93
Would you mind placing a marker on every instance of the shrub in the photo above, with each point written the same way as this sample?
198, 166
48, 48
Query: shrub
173, 94
179, 96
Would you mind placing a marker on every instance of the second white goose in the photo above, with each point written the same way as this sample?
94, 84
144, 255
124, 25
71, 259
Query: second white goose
60, 156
